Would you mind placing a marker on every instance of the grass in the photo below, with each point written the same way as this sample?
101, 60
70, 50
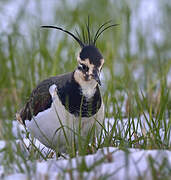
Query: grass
135, 83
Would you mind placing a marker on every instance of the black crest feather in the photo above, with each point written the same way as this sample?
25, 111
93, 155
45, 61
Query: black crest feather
86, 37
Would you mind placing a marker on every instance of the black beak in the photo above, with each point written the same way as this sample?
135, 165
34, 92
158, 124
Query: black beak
96, 76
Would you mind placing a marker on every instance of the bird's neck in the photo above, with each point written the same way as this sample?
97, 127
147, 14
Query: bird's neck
88, 88
80, 98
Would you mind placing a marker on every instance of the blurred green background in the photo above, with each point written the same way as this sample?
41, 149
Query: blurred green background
137, 52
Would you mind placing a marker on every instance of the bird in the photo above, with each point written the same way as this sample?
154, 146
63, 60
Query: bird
61, 106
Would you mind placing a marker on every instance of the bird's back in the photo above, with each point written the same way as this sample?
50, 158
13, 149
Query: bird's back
40, 98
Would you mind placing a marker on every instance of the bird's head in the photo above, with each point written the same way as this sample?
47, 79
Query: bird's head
90, 63
90, 60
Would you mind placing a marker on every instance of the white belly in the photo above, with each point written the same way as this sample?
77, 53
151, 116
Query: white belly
53, 126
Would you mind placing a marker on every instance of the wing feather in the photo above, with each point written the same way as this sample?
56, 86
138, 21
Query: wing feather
40, 98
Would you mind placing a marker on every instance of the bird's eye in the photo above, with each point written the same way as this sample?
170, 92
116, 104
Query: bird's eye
84, 67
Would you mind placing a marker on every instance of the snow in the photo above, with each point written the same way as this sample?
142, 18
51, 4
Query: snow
2, 144
16, 176
118, 164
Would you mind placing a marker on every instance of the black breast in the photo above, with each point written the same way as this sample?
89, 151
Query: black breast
72, 98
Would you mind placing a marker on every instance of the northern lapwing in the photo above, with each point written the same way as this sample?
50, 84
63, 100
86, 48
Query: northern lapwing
62, 104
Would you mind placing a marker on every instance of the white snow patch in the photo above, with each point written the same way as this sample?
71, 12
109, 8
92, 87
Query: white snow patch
122, 165
18, 129
17, 176
2, 144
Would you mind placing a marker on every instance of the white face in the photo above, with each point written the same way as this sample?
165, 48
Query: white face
85, 69
85, 77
